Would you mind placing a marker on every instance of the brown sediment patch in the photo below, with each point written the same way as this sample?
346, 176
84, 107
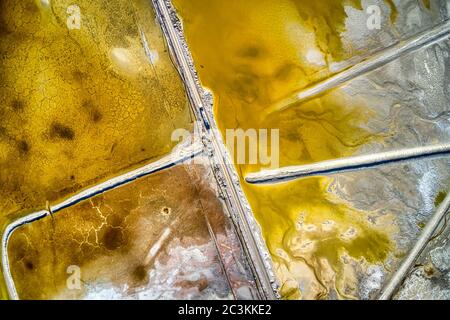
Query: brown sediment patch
23, 147
58, 130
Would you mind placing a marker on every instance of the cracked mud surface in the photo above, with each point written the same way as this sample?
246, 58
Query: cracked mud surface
148, 240
80, 105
